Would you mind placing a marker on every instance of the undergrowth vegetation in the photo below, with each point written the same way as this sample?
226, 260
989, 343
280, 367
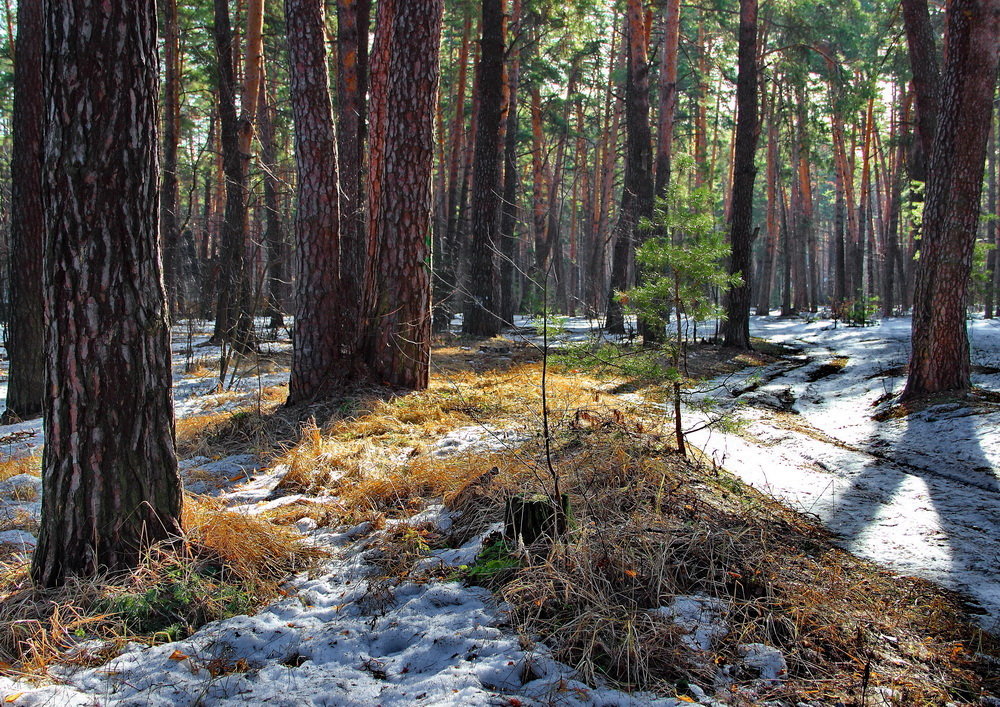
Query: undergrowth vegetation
224, 564
646, 527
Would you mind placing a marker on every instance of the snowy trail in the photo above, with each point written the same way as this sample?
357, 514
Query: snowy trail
919, 494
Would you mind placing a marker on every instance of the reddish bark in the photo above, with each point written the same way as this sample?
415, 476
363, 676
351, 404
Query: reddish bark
940, 346
325, 337
401, 320
109, 466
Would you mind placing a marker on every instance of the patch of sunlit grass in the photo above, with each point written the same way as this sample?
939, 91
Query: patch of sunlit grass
21, 465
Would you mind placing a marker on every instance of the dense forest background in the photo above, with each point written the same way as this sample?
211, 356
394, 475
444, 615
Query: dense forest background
837, 200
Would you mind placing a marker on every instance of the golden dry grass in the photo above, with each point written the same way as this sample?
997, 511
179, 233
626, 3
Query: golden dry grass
252, 556
21, 465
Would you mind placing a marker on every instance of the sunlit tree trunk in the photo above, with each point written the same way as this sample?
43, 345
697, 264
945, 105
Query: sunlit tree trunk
26, 329
110, 480
772, 231
401, 320
325, 338
940, 347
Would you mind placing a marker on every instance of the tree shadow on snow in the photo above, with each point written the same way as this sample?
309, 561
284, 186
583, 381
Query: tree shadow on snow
929, 505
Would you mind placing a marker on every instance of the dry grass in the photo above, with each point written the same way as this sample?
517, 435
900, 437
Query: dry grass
225, 563
21, 465
649, 526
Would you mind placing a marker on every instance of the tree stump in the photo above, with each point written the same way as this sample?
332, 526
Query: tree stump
528, 517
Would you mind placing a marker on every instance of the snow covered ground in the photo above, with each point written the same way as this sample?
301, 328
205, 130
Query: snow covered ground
919, 494
333, 641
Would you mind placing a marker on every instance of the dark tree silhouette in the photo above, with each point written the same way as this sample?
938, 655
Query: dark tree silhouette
26, 337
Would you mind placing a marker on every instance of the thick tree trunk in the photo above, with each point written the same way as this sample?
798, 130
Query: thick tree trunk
926, 80
940, 347
482, 303
742, 233
324, 339
401, 320
352, 85
26, 328
110, 476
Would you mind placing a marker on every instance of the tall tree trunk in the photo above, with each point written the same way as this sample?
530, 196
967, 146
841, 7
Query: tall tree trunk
637, 192
26, 328
274, 233
325, 338
742, 233
773, 234
401, 320
233, 321
509, 206
448, 245
993, 228
169, 231
940, 347
109, 465
668, 94
483, 300
926, 80
352, 86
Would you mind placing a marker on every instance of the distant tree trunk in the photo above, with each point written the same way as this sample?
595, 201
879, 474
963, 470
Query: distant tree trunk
401, 320
668, 94
482, 303
509, 208
274, 232
169, 231
233, 321
773, 235
26, 328
352, 86
742, 233
993, 228
637, 192
109, 466
940, 347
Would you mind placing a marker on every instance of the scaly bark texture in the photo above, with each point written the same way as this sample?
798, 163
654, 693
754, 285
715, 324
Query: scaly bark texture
401, 319
26, 333
352, 87
940, 347
109, 466
325, 338
741, 230
483, 284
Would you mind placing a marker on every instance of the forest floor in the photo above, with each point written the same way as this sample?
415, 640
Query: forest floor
677, 582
